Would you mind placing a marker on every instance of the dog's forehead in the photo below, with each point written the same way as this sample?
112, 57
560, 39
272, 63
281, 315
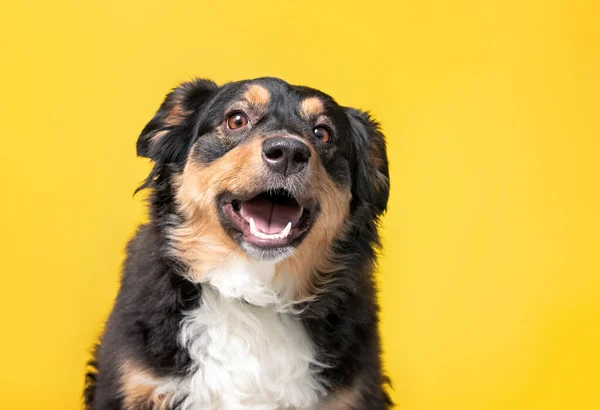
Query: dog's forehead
271, 93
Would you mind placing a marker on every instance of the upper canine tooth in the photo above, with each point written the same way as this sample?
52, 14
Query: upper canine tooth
253, 229
286, 230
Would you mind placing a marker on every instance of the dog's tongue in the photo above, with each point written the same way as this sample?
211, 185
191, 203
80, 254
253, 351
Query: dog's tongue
271, 217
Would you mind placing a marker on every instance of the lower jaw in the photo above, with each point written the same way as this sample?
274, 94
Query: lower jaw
266, 244
267, 254
262, 251
271, 244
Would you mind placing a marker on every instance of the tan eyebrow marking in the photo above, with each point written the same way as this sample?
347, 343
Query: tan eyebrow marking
257, 95
311, 107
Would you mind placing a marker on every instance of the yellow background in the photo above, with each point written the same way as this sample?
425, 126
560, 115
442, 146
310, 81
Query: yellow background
490, 279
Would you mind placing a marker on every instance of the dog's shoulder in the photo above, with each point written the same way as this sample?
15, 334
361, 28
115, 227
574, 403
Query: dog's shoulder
143, 251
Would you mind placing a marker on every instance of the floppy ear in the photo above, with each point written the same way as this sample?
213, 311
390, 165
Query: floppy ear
167, 136
372, 179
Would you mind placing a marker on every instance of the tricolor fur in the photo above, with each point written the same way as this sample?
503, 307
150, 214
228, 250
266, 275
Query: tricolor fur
252, 285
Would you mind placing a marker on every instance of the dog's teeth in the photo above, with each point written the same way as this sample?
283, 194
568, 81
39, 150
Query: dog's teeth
254, 231
286, 230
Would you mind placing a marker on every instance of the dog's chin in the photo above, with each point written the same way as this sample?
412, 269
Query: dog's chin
268, 225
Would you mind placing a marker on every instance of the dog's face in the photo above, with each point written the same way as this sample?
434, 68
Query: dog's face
264, 167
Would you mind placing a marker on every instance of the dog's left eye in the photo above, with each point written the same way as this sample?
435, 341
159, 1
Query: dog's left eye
237, 120
322, 133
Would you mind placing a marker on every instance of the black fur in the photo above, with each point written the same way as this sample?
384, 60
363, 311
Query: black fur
342, 321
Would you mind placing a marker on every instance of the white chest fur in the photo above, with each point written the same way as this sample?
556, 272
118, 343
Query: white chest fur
247, 355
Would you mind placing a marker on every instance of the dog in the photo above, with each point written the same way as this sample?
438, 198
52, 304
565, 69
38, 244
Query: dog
251, 286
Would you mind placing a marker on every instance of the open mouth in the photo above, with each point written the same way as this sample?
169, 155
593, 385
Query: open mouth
270, 219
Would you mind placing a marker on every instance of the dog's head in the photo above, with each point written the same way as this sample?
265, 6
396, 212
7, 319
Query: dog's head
263, 168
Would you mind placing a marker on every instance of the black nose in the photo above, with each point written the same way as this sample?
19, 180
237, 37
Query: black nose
285, 155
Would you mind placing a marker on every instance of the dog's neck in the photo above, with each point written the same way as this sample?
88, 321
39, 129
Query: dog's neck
255, 282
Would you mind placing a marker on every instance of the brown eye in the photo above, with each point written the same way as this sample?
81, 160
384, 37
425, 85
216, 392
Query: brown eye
237, 120
322, 133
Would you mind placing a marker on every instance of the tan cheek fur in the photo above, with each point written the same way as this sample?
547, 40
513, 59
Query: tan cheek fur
203, 244
314, 254
200, 239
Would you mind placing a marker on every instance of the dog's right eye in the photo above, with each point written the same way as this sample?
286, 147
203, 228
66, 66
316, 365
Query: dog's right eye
237, 120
